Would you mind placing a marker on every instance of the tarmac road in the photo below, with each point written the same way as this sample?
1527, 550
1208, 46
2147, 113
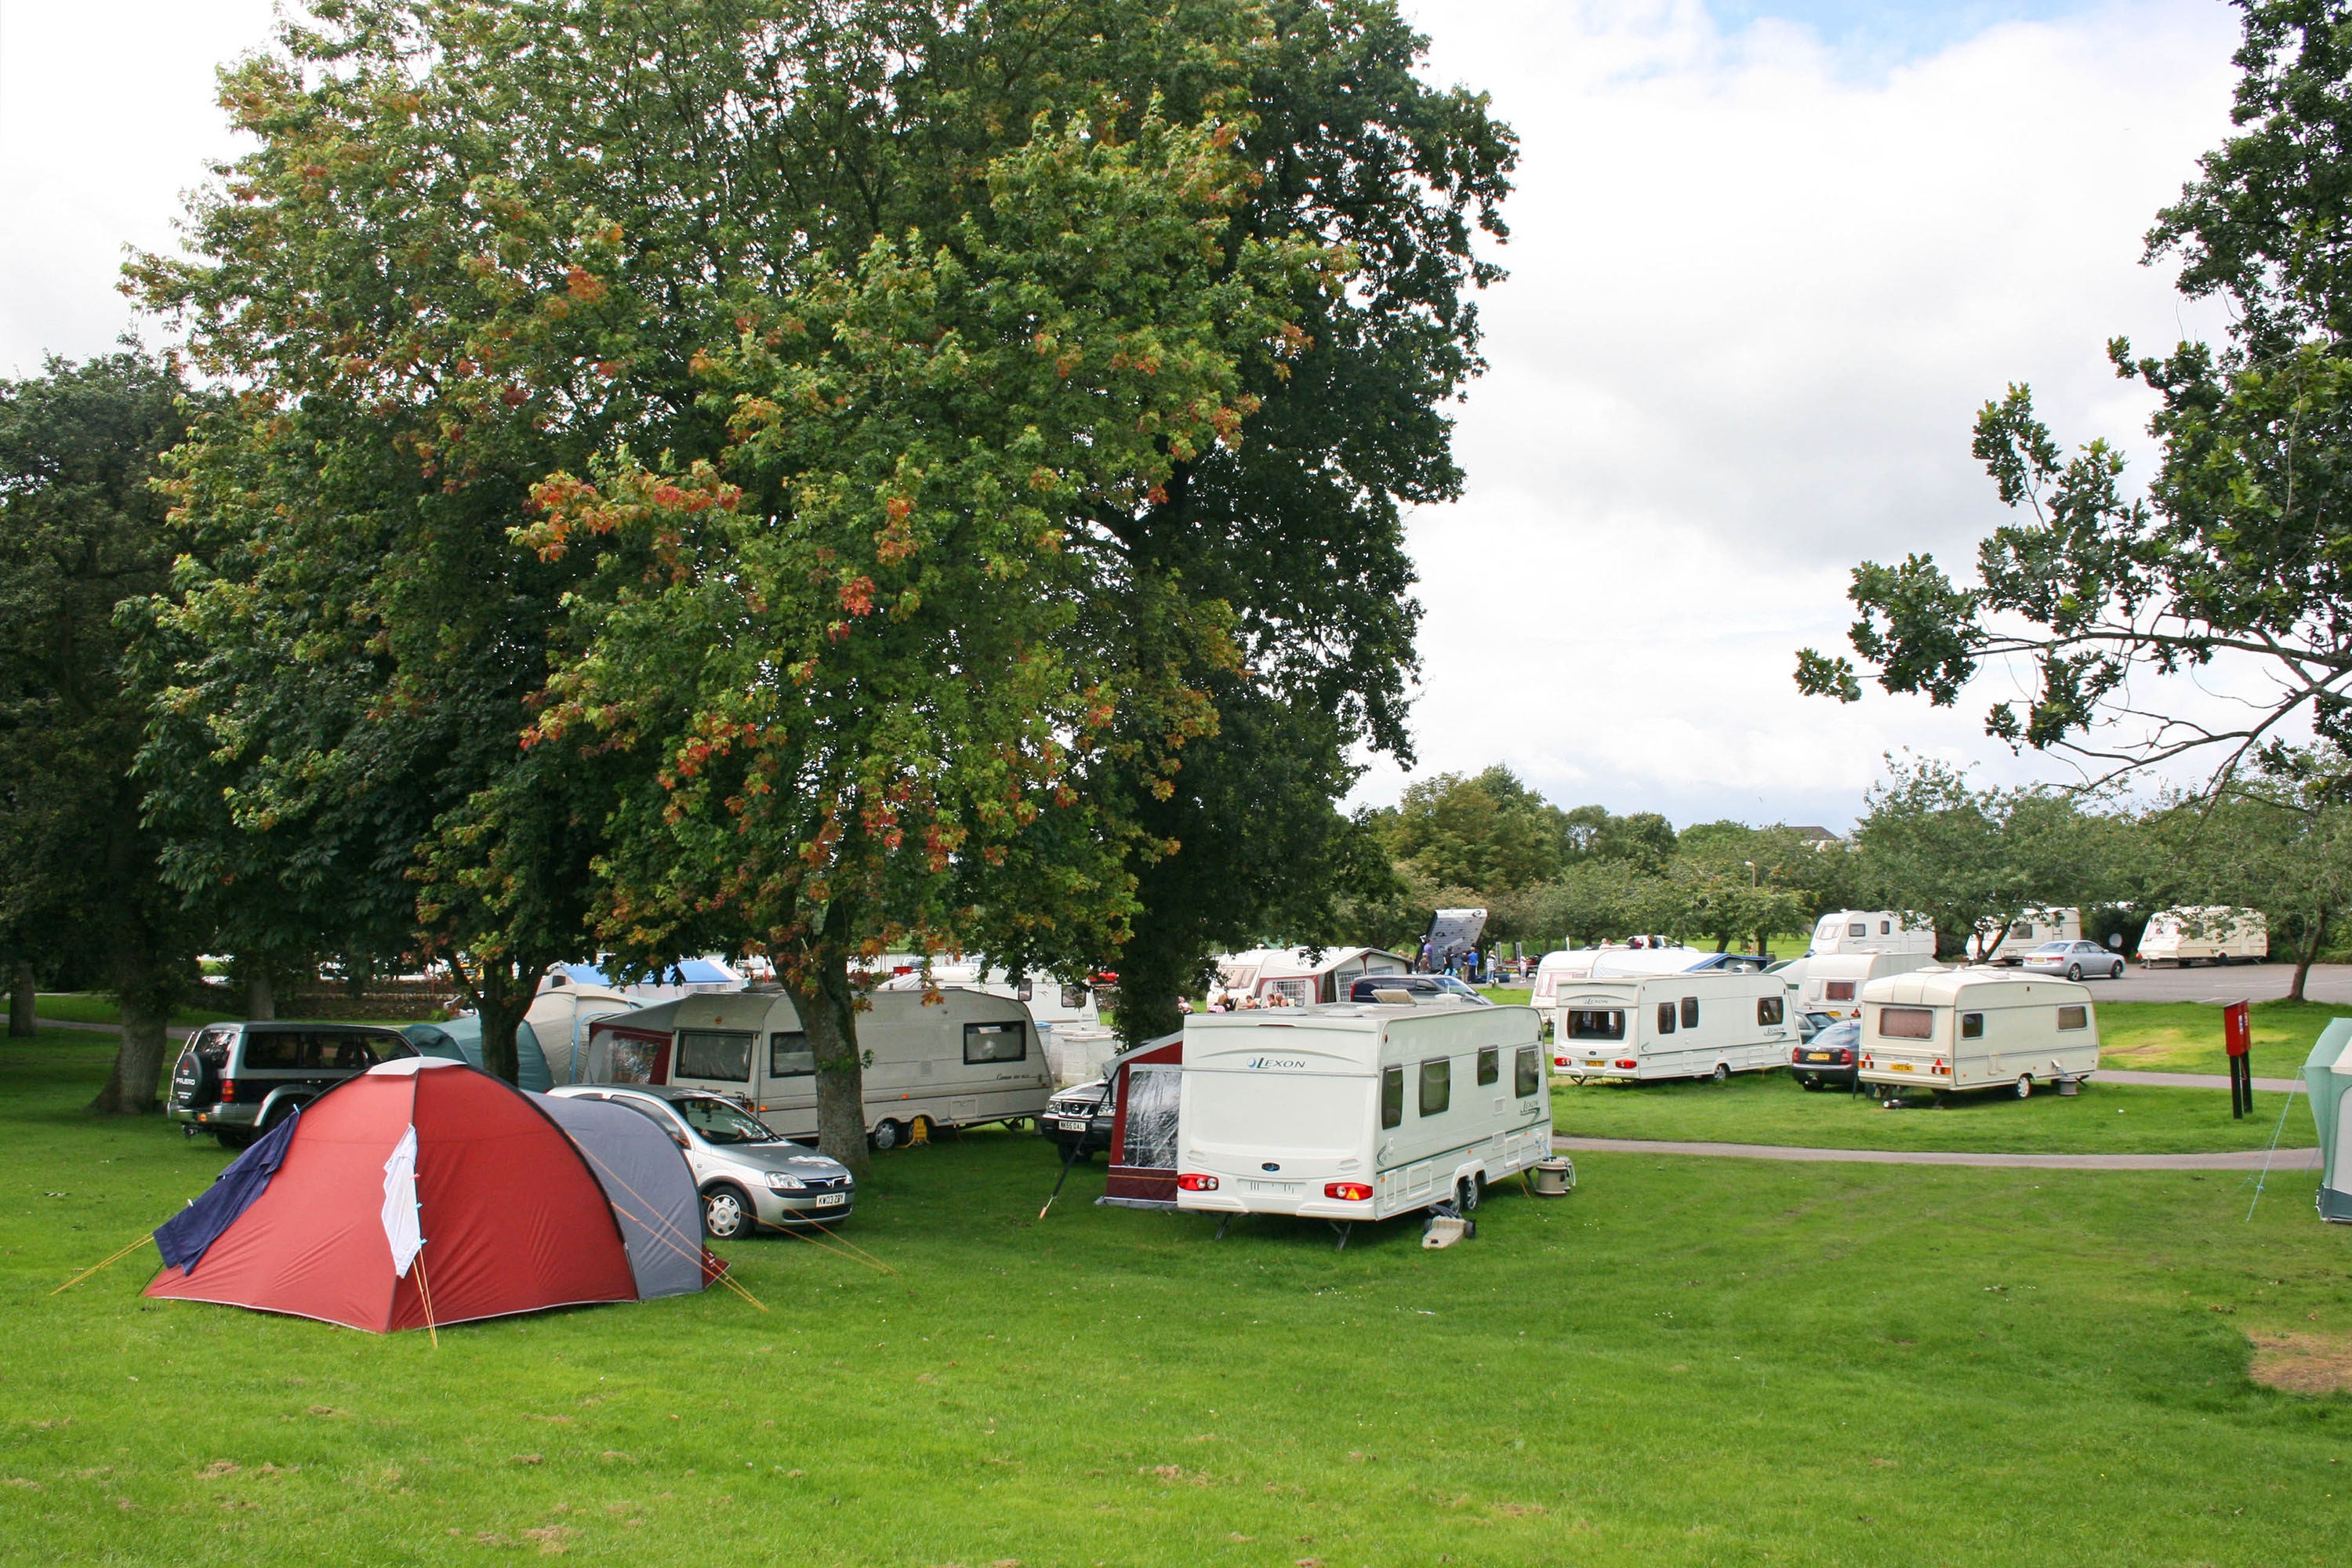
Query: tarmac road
2330, 983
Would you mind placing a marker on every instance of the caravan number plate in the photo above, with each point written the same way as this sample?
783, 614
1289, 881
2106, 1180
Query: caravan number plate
1272, 1186
1074, 1127
1899, 1066
827, 1200
1596, 1061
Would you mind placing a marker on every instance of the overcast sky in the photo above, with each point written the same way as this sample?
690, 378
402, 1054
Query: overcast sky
1766, 260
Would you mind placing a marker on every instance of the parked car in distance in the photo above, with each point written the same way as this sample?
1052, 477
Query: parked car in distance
1829, 1058
1420, 987
1080, 1114
748, 1174
1812, 1024
238, 1081
2074, 960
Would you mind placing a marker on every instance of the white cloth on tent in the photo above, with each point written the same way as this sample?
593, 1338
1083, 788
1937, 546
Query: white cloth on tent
400, 1203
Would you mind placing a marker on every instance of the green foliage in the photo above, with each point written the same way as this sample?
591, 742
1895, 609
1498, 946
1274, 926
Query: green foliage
1933, 847
2277, 838
84, 535
1488, 832
2240, 550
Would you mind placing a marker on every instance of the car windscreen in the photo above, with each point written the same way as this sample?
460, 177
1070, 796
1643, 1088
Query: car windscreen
719, 1122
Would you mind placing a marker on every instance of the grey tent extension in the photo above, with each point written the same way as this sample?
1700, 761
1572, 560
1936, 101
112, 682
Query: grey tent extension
651, 1190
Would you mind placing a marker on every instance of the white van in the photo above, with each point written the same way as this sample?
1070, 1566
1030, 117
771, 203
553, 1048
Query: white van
2033, 928
2222, 935
967, 1059
1869, 931
1358, 1111
1833, 982
1672, 1026
1971, 1028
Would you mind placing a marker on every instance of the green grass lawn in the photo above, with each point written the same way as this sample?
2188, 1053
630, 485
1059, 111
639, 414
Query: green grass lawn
1769, 1107
95, 1007
2186, 1036
1689, 1362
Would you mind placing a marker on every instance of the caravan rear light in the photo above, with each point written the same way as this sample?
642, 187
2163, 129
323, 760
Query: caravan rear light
1629, 1065
1347, 1191
1197, 1183
1941, 1067
228, 1091
1562, 1062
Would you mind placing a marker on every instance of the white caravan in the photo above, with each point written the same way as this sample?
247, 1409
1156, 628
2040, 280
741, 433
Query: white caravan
1972, 1029
1298, 975
967, 1059
1869, 931
1052, 1004
1611, 962
1358, 1111
1671, 1026
2033, 928
2221, 935
1833, 982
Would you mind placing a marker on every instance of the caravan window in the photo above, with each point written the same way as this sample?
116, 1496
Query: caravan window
1768, 1009
2073, 1017
1596, 1024
994, 1043
1857, 931
724, 1054
788, 1055
1074, 996
1436, 1087
1490, 1064
1973, 1025
1392, 1096
1666, 1017
1838, 991
1528, 1072
1886, 928
1906, 1022
1690, 1012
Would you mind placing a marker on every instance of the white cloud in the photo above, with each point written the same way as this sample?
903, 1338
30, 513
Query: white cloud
1757, 296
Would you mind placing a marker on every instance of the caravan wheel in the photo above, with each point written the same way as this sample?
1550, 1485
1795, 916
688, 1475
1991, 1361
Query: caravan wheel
2025, 1085
890, 1135
1722, 1073
1467, 1191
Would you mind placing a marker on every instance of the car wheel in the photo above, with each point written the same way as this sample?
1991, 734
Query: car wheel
1722, 1073
2025, 1085
2073, 971
890, 1135
229, 1140
726, 1213
1466, 1192
2118, 972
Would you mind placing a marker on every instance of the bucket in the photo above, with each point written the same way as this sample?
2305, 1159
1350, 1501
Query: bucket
1554, 1178
2068, 1087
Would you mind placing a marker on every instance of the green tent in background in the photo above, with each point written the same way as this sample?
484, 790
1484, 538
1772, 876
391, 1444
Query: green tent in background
460, 1039
2327, 1073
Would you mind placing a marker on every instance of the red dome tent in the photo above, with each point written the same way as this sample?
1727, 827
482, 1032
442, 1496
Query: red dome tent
510, 1215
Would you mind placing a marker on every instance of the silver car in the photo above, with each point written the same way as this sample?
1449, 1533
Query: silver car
2074, 960
748, 1174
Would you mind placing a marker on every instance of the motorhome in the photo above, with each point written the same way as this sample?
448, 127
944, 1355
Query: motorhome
1975, 1029
1613, 961
2030, 930
1671, 1026
2210, 934
1833, 982
1358, 1112
967, 1059
1869, 931
1300, 976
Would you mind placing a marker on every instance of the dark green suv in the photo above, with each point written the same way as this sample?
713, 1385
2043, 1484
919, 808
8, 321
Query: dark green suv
236, 1082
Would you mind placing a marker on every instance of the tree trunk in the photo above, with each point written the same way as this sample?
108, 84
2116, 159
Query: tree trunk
261, 998
502, 993
828, 1010
143, 994
23, 1006
2304, 959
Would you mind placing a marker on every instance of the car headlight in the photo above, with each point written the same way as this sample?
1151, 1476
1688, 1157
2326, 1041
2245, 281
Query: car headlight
778, 1182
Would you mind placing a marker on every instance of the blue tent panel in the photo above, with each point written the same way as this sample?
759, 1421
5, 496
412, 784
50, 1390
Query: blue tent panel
460, 1040
184, 1238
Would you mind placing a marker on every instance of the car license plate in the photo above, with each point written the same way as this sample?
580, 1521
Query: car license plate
829, 1200
1817, 1056
1898, 1066
1074, 1126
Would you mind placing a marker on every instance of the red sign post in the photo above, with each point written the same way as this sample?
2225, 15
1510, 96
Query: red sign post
2238, 1039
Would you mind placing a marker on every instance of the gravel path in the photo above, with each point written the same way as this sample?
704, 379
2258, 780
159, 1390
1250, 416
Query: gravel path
2242, 1160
